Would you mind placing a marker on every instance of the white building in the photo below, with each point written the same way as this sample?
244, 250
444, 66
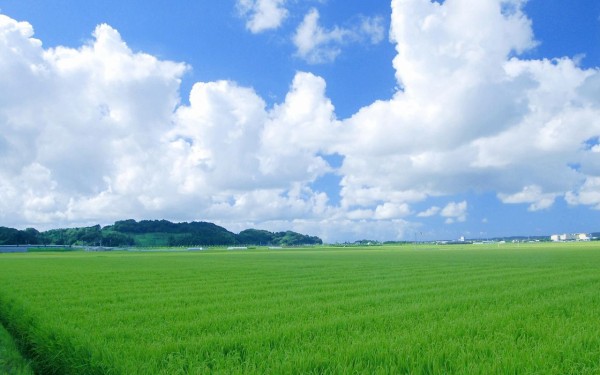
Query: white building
570, 237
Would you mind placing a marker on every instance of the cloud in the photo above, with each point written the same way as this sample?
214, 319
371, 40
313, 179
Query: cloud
317, 45
76, 120
587, 194
390, 210
262, 15
471, 116
372, 28
530, 194
336, 229
230, 147
455, 211
129, 148
432, 211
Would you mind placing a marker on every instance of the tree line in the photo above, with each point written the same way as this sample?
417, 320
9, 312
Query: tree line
153, 233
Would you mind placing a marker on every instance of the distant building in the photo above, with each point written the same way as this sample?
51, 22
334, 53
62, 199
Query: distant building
570, 237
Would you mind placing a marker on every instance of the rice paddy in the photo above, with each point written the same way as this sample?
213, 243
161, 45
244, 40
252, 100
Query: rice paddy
406, 309
11, 361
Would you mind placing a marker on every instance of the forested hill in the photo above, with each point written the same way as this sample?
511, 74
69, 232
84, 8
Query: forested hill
153, 233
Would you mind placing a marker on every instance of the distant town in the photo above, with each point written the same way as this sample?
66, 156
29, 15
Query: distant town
564, 237
462, 240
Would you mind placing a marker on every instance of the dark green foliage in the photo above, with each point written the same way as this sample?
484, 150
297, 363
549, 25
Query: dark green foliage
205, 237
86, 236
153, 233
145, 226
166, 233
114, 239
255, 237
203, 233
73, 236
289, 238
11, 236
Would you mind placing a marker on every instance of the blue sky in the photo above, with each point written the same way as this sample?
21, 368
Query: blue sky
344, 119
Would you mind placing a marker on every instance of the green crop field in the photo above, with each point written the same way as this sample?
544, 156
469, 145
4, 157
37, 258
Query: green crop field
478, 309
11, 361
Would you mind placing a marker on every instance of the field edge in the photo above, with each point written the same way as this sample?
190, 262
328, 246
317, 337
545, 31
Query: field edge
12, 362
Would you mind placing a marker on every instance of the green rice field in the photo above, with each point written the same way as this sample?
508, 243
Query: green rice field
472, 309
11, 361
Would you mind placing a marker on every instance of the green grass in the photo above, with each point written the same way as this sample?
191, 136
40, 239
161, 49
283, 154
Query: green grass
474, 309
11, 361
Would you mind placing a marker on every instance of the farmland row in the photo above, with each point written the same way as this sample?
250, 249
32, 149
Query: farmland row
298, 312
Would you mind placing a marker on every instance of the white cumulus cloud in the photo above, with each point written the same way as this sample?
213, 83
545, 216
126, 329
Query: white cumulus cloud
80, 123
262, 15
98, 133
431, 211
471, 115
530, 194
455, 211
587, 194
317, 44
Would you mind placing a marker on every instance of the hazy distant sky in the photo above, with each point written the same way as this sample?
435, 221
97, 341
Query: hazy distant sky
346, 119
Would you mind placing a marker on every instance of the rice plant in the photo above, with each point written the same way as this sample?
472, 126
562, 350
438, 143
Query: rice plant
471, 309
